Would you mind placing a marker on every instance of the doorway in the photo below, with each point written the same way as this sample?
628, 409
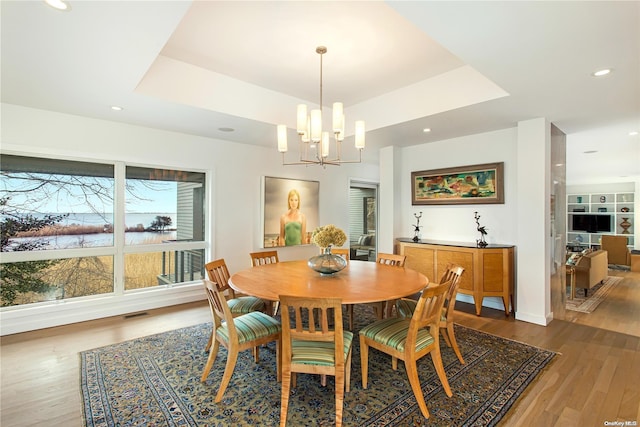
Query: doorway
363, 221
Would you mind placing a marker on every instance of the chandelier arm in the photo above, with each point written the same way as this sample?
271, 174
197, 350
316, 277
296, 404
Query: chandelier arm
319, 147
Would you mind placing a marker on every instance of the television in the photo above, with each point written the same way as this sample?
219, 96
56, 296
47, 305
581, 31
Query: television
592, 223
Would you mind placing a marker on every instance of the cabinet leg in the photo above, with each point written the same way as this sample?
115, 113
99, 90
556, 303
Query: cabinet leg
478, 303
505, 301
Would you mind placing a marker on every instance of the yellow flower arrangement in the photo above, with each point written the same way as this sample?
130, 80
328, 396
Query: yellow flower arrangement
328, 235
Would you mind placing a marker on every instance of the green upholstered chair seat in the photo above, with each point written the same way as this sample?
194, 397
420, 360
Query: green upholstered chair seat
318, 352
406, 307
392, 332
243, 305
251, 326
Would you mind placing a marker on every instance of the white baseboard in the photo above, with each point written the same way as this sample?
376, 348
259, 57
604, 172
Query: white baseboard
63, 312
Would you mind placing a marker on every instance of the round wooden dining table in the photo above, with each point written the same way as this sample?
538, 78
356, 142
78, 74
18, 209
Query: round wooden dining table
360, 282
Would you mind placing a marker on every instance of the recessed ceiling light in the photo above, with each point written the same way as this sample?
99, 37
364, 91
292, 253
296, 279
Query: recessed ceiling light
116, 108
226, 129
602, 72
633, 133
426, 130
59, 5
590, 151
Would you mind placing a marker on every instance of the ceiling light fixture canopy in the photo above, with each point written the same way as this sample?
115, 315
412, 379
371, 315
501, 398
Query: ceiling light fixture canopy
314, 142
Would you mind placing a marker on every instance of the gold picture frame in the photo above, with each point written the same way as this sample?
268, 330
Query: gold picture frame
463, 185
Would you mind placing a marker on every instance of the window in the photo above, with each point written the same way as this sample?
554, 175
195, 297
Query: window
80, 229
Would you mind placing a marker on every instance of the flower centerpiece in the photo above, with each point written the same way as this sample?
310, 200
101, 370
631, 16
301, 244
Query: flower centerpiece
325, 237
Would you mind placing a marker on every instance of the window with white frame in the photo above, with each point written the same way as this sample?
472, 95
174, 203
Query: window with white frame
75, 229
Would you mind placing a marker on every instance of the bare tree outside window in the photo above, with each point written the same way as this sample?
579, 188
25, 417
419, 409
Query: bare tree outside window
67, 205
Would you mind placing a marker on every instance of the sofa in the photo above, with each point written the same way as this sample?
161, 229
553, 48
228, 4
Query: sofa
590, 269
364, 248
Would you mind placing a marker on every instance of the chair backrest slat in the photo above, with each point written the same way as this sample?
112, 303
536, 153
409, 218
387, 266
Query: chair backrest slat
391, 259
452, 273
219, 308
312, 327
219, 274
429, 308
264, 257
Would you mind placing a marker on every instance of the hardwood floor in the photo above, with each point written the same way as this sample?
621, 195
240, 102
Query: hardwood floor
594, 379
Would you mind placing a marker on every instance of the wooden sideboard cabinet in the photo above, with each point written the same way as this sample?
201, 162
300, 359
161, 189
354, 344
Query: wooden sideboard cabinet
488, 271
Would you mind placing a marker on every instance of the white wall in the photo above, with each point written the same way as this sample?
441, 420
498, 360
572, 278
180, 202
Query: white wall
234, 220
456, 222
525, 156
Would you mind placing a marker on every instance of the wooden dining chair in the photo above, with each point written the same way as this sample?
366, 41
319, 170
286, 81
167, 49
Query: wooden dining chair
264, 258
385, 307
311, 349
343, 252
218, 272
405, 307
409, 340
236, 334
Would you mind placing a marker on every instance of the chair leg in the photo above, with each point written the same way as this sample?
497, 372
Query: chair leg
232, 357
279, 360
350, 313
364, 361
284, 398
347, 372
454, 343
210, 341
378, 309
414, 380
390, 305
339, 397
436, 358
212, 357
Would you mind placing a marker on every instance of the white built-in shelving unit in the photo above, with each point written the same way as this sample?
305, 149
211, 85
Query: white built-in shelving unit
619, 206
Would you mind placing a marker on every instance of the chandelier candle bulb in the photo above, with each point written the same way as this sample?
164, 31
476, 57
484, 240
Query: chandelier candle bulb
282, 138
316, 125
340, 135
303, 120
338, 117
325, 144
360, 135
305, 137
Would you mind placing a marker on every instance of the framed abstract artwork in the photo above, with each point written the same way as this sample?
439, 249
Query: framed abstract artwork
464, 185
290, 211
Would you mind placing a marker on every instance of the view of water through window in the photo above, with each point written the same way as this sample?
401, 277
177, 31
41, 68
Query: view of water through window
49, 204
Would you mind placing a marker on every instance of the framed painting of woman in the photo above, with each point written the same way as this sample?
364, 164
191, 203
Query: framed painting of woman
290, 211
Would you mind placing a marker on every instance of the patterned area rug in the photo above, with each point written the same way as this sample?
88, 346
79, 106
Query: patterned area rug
155, 381
587, 304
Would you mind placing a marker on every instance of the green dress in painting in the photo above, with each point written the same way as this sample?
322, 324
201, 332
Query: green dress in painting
293, 233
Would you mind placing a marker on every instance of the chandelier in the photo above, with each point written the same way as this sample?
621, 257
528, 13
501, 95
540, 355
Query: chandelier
314, 142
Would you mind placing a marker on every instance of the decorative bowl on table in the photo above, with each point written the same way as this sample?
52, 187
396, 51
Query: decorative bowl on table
327, 263
324, 237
